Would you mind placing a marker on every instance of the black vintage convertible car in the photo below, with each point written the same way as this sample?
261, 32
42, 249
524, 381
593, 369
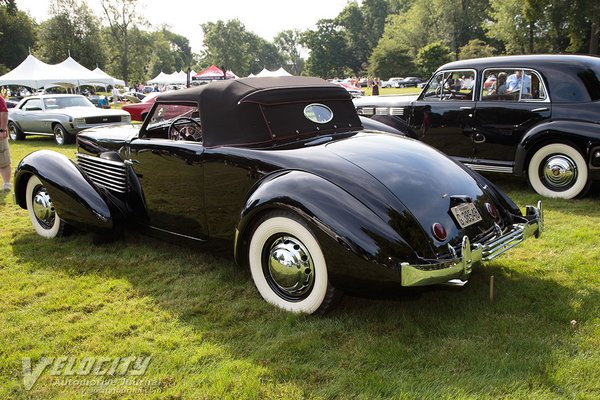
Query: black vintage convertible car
314, 203
534, 116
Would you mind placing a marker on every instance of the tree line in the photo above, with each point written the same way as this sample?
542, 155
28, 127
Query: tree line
372, 37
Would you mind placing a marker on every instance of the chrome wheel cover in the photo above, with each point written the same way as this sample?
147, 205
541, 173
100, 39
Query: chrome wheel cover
290, 267
12, 132
559, 172
43, 208
59, 135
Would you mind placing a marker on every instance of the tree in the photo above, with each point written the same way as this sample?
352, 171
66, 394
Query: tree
432, 56
122, 17
226, 45
475, 49
290, 48
17, 35
72, 29
266, 54
390, 58
328, 50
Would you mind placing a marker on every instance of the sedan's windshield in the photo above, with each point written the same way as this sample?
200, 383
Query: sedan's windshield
66, 101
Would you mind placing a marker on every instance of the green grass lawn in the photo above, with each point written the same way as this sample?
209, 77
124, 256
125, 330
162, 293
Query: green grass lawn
211, 336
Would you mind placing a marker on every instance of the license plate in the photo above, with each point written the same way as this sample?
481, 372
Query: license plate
466, 214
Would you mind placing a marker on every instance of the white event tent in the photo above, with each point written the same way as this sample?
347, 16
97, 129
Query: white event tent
36, 74
176, 78
266, 72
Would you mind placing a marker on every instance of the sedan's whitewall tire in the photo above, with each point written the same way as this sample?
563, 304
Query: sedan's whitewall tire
288, 266
558, 170
41, 211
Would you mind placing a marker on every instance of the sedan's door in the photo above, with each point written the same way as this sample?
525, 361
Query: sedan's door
502, 117
171, 176
442, 115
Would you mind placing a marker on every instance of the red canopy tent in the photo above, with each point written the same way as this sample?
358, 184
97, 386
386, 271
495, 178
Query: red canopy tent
213, 72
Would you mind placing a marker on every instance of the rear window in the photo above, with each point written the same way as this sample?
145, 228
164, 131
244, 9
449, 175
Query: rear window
590, 80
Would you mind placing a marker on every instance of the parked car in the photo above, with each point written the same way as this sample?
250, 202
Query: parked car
353, 90
392, 82
139, 110
281, 167
545, 127
59, 115
411, 81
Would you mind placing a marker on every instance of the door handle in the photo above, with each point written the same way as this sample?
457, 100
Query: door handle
540, 109
466, 108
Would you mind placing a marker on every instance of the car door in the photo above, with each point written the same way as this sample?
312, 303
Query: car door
31, 115
442, 115
171, 176
504, 115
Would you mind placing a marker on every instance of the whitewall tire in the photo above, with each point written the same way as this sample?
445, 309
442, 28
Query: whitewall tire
41, 211
558, 170
288, 266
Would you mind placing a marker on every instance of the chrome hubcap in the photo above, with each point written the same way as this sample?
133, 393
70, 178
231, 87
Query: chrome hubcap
560, 172
58, 134
42, 207
290, 266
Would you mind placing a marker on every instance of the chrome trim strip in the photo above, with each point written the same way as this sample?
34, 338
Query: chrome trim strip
442, 271
490, 168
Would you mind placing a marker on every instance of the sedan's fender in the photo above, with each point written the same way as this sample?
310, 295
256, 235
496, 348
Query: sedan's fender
335, 215
580, 133
76, 199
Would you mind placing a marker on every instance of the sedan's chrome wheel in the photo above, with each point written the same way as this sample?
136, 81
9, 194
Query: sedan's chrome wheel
41, 211
14, 133
558, 170
288, 266
59, 134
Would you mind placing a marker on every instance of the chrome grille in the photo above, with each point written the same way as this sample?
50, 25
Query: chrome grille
106, 119
107, 173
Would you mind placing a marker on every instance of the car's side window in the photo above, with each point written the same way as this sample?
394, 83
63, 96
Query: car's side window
513, 84
451, 85
33, 105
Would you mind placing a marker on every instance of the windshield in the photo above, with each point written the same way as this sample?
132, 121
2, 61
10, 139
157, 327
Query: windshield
66, 101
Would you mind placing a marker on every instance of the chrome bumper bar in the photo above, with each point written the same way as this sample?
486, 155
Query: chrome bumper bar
460, 267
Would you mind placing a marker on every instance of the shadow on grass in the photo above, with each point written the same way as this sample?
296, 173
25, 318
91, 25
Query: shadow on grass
443, 342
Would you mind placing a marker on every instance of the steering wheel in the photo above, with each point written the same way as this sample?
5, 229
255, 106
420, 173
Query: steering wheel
182, 129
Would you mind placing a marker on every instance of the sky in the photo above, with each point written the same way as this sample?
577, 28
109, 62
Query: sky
263, 17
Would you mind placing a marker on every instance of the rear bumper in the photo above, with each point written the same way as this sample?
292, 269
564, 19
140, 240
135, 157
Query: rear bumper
460, 265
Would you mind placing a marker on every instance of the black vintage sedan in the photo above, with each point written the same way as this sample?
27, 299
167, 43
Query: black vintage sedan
312, 202
535, 116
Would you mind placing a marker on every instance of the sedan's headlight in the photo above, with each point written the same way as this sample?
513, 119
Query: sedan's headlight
126, 118
79, 121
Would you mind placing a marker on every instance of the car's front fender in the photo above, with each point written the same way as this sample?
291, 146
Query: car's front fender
76, 199
352, 236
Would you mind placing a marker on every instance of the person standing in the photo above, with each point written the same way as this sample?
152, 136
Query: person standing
375, 88
4, 152
115, 96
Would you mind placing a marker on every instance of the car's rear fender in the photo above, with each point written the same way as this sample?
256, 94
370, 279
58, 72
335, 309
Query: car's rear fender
354, 234
585, 136
75, 198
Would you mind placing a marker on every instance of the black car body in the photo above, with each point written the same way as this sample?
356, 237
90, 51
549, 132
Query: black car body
549, 131
282, 167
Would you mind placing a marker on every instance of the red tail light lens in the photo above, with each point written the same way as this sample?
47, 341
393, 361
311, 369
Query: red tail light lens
492, 210
439, 231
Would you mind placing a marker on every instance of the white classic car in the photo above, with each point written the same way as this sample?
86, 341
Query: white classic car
59, 115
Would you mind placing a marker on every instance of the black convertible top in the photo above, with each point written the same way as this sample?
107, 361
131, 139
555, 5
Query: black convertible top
259, 111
